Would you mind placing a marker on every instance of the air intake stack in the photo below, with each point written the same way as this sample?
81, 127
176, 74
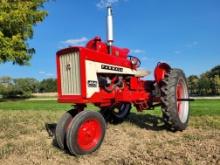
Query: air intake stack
110, 38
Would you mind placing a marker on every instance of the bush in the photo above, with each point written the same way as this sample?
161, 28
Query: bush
23, 87
48, 85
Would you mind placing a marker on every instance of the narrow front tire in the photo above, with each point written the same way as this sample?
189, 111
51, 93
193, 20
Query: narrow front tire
86, 133
62, 127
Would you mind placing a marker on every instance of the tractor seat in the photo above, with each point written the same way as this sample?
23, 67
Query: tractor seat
142, 73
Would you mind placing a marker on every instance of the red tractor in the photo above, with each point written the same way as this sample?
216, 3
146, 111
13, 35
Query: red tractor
108, 77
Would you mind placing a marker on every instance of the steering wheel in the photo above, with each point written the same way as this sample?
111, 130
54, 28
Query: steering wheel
135, 61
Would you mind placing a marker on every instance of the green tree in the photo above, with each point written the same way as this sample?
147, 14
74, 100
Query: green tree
215, 71
193, 84
6, 80
48, 85
214, 76
216, 82
6, 86
207, 83
24, 87
17, 18
204, 85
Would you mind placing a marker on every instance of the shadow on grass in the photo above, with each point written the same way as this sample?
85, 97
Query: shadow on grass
51, 128
147, 121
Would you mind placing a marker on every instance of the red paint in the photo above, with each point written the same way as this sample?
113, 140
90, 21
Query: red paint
160, 71
58, 76
105, 58
83, 75
101, 47
89, 134
179, 95
137, 91
134, 83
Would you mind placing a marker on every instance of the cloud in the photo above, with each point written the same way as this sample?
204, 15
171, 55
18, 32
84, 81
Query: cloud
49, 74
193, 44
177, 52
45, 74
186, 47
74, 42
137, 51
104, 3
41, 72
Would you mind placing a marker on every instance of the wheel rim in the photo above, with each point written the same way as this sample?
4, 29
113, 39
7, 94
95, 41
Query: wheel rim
182, 106
121, 110
89, 134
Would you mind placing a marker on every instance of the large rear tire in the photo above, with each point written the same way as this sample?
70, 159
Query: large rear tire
173, 92
86, 133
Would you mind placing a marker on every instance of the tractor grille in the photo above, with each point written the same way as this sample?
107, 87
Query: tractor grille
70, 74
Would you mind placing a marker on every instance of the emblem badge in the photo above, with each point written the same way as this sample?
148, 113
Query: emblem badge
68, 67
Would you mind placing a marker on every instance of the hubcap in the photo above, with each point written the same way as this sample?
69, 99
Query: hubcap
182, 106
89, 134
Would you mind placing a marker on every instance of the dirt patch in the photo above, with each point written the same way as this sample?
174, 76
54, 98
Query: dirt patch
139, 140
52, 94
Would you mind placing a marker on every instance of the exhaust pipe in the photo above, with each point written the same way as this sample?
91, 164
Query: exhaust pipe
110, 38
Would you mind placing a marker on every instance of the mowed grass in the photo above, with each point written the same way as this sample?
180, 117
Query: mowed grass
42, 105
203, 113
205, 107
23, 138
33, 105
197, 107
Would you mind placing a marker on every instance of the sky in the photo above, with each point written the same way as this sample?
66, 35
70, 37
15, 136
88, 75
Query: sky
183, 33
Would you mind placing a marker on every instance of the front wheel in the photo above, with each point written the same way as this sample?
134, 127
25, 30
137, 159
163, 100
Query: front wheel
116, 113
174, 93
62, 127
86, 133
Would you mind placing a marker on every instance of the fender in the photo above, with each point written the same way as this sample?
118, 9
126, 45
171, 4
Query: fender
160, 71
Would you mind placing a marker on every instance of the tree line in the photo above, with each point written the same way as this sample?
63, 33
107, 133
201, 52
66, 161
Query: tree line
24, 87
207, 84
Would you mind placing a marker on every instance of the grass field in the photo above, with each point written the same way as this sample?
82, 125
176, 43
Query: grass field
141, 139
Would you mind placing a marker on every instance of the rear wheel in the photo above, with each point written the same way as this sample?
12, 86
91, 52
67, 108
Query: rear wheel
86, 133
116, 113
62, 127
173, 92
